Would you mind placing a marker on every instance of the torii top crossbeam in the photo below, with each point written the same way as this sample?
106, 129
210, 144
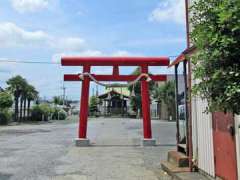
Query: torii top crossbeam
115, 61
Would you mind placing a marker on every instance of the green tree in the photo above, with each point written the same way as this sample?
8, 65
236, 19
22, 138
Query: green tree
136, 101
158, 95
16, 85
57, 100
31, 95
216, 35
5, 103
93, 104
23, 100
166, 94
5, 100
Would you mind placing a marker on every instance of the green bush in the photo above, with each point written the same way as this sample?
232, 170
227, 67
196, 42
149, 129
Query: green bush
41, 112
5, 116
59, 114
37, 113
62, 115
56, 110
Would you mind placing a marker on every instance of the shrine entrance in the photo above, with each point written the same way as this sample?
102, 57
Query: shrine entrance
86, 76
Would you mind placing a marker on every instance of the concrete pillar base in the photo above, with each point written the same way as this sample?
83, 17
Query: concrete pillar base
148, 142
80, 142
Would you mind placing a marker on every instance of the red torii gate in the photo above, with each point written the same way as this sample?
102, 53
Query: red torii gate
87, 62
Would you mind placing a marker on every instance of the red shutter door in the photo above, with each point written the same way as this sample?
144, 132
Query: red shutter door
224, 146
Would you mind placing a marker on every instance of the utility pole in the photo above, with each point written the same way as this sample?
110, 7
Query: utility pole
64, 93
97, 90
93, 91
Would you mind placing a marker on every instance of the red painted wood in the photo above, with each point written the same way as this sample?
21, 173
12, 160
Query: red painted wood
75, 77
147, 130
224, 146
115, 61
83, 116
87, 62
115, 70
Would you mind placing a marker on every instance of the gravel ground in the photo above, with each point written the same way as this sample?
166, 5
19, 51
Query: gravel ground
47, 151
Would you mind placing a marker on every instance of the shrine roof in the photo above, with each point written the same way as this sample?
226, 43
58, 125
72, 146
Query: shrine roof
113, 91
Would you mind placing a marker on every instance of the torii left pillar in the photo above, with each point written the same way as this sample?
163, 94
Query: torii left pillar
147, 129
83, 116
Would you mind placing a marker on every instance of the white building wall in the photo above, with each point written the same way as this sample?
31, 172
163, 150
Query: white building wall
202, 136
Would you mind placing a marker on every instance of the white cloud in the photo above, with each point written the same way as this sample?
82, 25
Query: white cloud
12, 36
23, 6
169, 11
91, 53
124, 53
158, 41
57, 57
67, 44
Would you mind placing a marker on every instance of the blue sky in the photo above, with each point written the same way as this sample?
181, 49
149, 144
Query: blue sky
44, 30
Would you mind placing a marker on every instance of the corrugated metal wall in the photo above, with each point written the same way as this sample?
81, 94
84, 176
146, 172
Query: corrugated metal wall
237, 129
202, 136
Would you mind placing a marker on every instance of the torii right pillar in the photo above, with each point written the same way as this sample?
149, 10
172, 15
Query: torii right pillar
147, 129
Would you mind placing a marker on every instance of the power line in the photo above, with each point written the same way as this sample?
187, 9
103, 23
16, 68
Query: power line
28, 62
174, 56
43, 62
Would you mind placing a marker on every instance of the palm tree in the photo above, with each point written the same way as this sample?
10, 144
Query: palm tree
32, 94
16, 85
22, 102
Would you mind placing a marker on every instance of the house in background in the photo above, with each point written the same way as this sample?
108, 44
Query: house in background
212, 140
114, 102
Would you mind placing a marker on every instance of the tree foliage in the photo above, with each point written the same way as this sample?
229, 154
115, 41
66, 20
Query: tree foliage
16, 86
23, 91
31, 93
5, 103
166, 94
216, 35
93, 104
136, 102
41, 112
58, 100
5, 100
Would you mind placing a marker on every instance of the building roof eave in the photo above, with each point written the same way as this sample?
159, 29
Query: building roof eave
183, 56
102, 96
